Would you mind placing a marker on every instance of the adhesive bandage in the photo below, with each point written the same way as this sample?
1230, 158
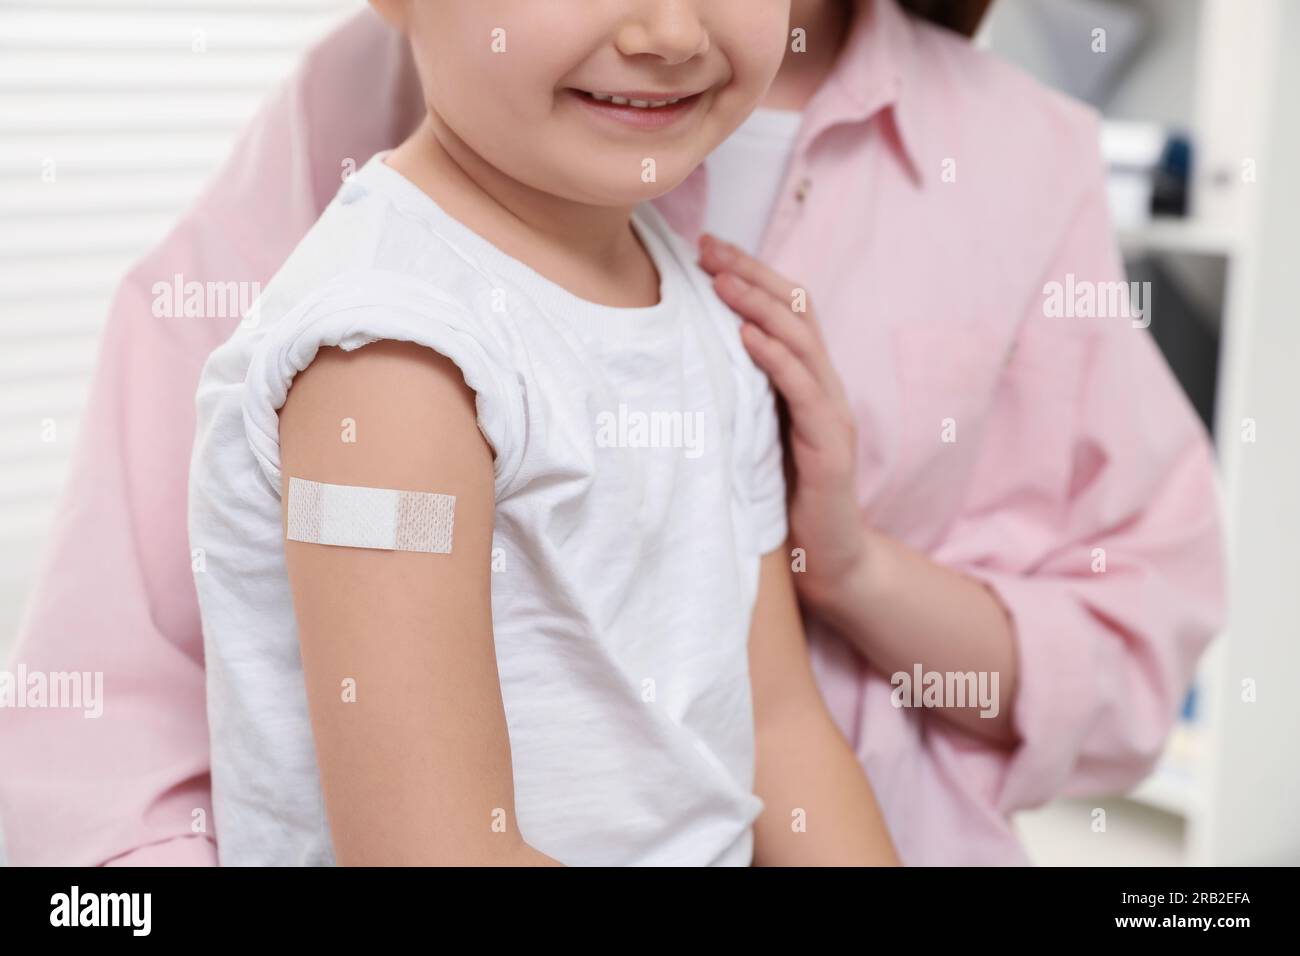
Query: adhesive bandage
378, 518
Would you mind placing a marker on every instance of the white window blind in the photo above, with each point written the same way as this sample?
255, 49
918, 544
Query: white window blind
113, 114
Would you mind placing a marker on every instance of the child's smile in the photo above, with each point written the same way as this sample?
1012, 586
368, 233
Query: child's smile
639, 109
572, 98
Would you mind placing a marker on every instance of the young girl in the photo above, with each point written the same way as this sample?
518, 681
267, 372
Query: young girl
567, 677
925, 195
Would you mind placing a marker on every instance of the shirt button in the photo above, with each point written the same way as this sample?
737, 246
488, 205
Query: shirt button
804, 187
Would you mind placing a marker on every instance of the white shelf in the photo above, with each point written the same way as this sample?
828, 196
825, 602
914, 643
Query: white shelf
1174, 785
1180, 235
1063, 834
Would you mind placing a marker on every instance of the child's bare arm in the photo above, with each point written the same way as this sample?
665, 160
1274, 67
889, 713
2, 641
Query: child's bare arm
417, 769
819, 809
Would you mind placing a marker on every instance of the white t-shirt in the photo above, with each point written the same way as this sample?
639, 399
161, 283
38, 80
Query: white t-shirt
638, 482
746, 174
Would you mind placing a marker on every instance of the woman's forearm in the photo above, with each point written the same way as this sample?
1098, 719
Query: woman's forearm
900, 610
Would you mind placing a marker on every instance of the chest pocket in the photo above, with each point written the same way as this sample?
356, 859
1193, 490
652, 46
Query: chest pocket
947, 373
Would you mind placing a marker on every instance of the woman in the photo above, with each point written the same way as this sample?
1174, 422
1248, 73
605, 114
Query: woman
978, 488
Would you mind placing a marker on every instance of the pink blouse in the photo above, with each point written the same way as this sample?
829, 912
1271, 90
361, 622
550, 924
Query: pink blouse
934, 197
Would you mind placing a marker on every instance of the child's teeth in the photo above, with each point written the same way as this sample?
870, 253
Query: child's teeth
637, 104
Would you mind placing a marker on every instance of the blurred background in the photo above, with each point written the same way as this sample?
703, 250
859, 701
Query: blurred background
130, 105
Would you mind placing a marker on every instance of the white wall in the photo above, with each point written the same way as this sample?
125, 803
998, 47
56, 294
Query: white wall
113, 114
1252, 816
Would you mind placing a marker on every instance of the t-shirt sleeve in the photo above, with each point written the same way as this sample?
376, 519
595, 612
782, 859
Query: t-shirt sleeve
767, 489
353, 313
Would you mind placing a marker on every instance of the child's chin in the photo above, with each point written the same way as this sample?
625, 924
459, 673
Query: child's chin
605, 190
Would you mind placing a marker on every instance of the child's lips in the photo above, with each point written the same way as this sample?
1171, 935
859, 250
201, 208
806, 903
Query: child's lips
639, 109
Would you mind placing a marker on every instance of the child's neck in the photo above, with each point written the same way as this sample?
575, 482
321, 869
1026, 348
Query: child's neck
591, 251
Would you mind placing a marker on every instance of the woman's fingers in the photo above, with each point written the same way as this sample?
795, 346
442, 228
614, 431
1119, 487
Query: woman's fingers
803, 394
778, 320
775, 318
717, 256
770, 301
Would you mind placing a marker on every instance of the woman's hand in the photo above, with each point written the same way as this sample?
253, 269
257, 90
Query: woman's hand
781, 334
894, 605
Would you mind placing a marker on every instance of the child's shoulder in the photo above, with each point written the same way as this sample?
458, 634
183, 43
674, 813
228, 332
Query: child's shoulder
368, 271
371, 267
715, 317
363, 232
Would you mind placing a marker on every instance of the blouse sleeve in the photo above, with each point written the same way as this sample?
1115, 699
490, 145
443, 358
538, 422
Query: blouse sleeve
1108, 556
